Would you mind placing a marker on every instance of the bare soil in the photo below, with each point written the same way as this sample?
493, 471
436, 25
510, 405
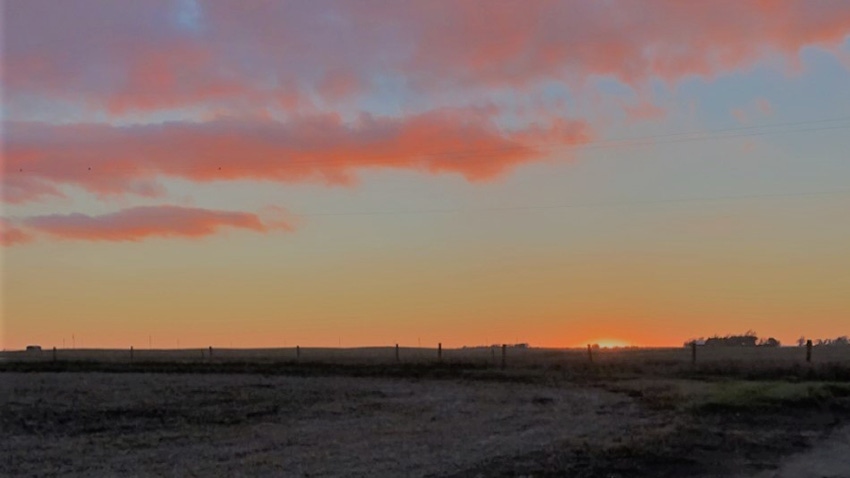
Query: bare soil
234, 419
86, 424
829, 459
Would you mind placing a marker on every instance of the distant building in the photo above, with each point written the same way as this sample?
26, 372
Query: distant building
33, 348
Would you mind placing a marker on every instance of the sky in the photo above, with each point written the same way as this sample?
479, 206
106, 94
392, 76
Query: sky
184, 173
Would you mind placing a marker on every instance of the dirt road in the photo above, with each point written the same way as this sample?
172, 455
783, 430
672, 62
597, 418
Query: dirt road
827, 459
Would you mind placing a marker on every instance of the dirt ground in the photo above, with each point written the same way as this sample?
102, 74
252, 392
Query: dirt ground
828, 459
211, 424
146, 424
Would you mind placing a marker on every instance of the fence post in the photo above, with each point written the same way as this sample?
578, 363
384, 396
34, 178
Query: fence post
493, 354
54, 354
504, 356
808, 351
210, 351
297, 352
589, 353
396, 353
440, 352
131, 354
694, 352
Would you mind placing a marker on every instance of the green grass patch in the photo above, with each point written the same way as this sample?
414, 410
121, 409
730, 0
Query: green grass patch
774, 395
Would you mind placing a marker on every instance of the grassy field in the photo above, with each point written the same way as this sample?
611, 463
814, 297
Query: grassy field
359, 412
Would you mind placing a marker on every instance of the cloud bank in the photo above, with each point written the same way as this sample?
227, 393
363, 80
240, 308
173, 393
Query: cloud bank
121, 56
107, 159
114, 96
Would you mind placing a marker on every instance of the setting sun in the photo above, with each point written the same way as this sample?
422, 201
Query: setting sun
609, 343
425, 237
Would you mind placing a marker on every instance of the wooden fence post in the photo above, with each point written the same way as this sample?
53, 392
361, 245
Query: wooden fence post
210, 351
54, 354
504, 356
808, 351
694, 352
440, 352
589, 353
396, 353
297, 352
131, 354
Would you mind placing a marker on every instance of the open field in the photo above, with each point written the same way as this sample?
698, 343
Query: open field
357, 412
515, 357
827, 363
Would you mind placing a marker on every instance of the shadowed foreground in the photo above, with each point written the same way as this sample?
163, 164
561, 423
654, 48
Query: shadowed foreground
95, 423
625, 415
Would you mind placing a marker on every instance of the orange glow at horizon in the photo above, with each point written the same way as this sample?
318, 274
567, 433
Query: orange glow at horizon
609, 343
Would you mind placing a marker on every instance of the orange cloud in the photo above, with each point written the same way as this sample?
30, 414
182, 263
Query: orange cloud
138, 223
11, 235
106, 159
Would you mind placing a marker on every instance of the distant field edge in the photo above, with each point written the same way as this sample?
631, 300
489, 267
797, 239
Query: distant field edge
460, 370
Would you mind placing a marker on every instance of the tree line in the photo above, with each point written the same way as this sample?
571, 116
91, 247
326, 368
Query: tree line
751, 339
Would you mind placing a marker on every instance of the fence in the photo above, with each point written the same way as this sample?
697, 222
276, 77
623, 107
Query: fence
509, 356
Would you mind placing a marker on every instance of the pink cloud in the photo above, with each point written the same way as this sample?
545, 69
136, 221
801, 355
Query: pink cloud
106, 159
513, 43
273, 59
138, 223
164, 79
19, 186
123, 56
